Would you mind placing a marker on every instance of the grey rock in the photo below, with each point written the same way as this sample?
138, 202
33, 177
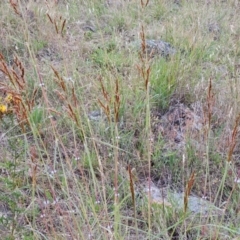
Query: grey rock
89, 28
155, 48
214, 29
196, 205
159, 47
95, 115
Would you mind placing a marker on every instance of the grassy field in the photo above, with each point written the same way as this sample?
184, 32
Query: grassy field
93, 119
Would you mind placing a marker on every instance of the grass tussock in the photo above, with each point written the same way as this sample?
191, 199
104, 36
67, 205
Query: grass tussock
119, 119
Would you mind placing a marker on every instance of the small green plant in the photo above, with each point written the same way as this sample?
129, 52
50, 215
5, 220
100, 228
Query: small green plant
159, 11
163, 82
109, 57
38, 45
88, 35
37, 117
13, 183
90, 161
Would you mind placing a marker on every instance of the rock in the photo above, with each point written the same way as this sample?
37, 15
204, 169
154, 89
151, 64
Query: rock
169, 198
156, 48
95, 115
180, 123
159, 47
215, 29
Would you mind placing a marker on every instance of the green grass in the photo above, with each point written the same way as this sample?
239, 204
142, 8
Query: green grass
64, 175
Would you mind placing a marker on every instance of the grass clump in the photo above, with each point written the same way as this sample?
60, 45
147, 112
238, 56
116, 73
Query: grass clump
99, 134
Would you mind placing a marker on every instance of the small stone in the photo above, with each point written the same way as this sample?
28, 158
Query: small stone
156, 48
159, 47
95, 115
196, 205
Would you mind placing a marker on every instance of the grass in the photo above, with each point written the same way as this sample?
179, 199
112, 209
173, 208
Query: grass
67, 175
